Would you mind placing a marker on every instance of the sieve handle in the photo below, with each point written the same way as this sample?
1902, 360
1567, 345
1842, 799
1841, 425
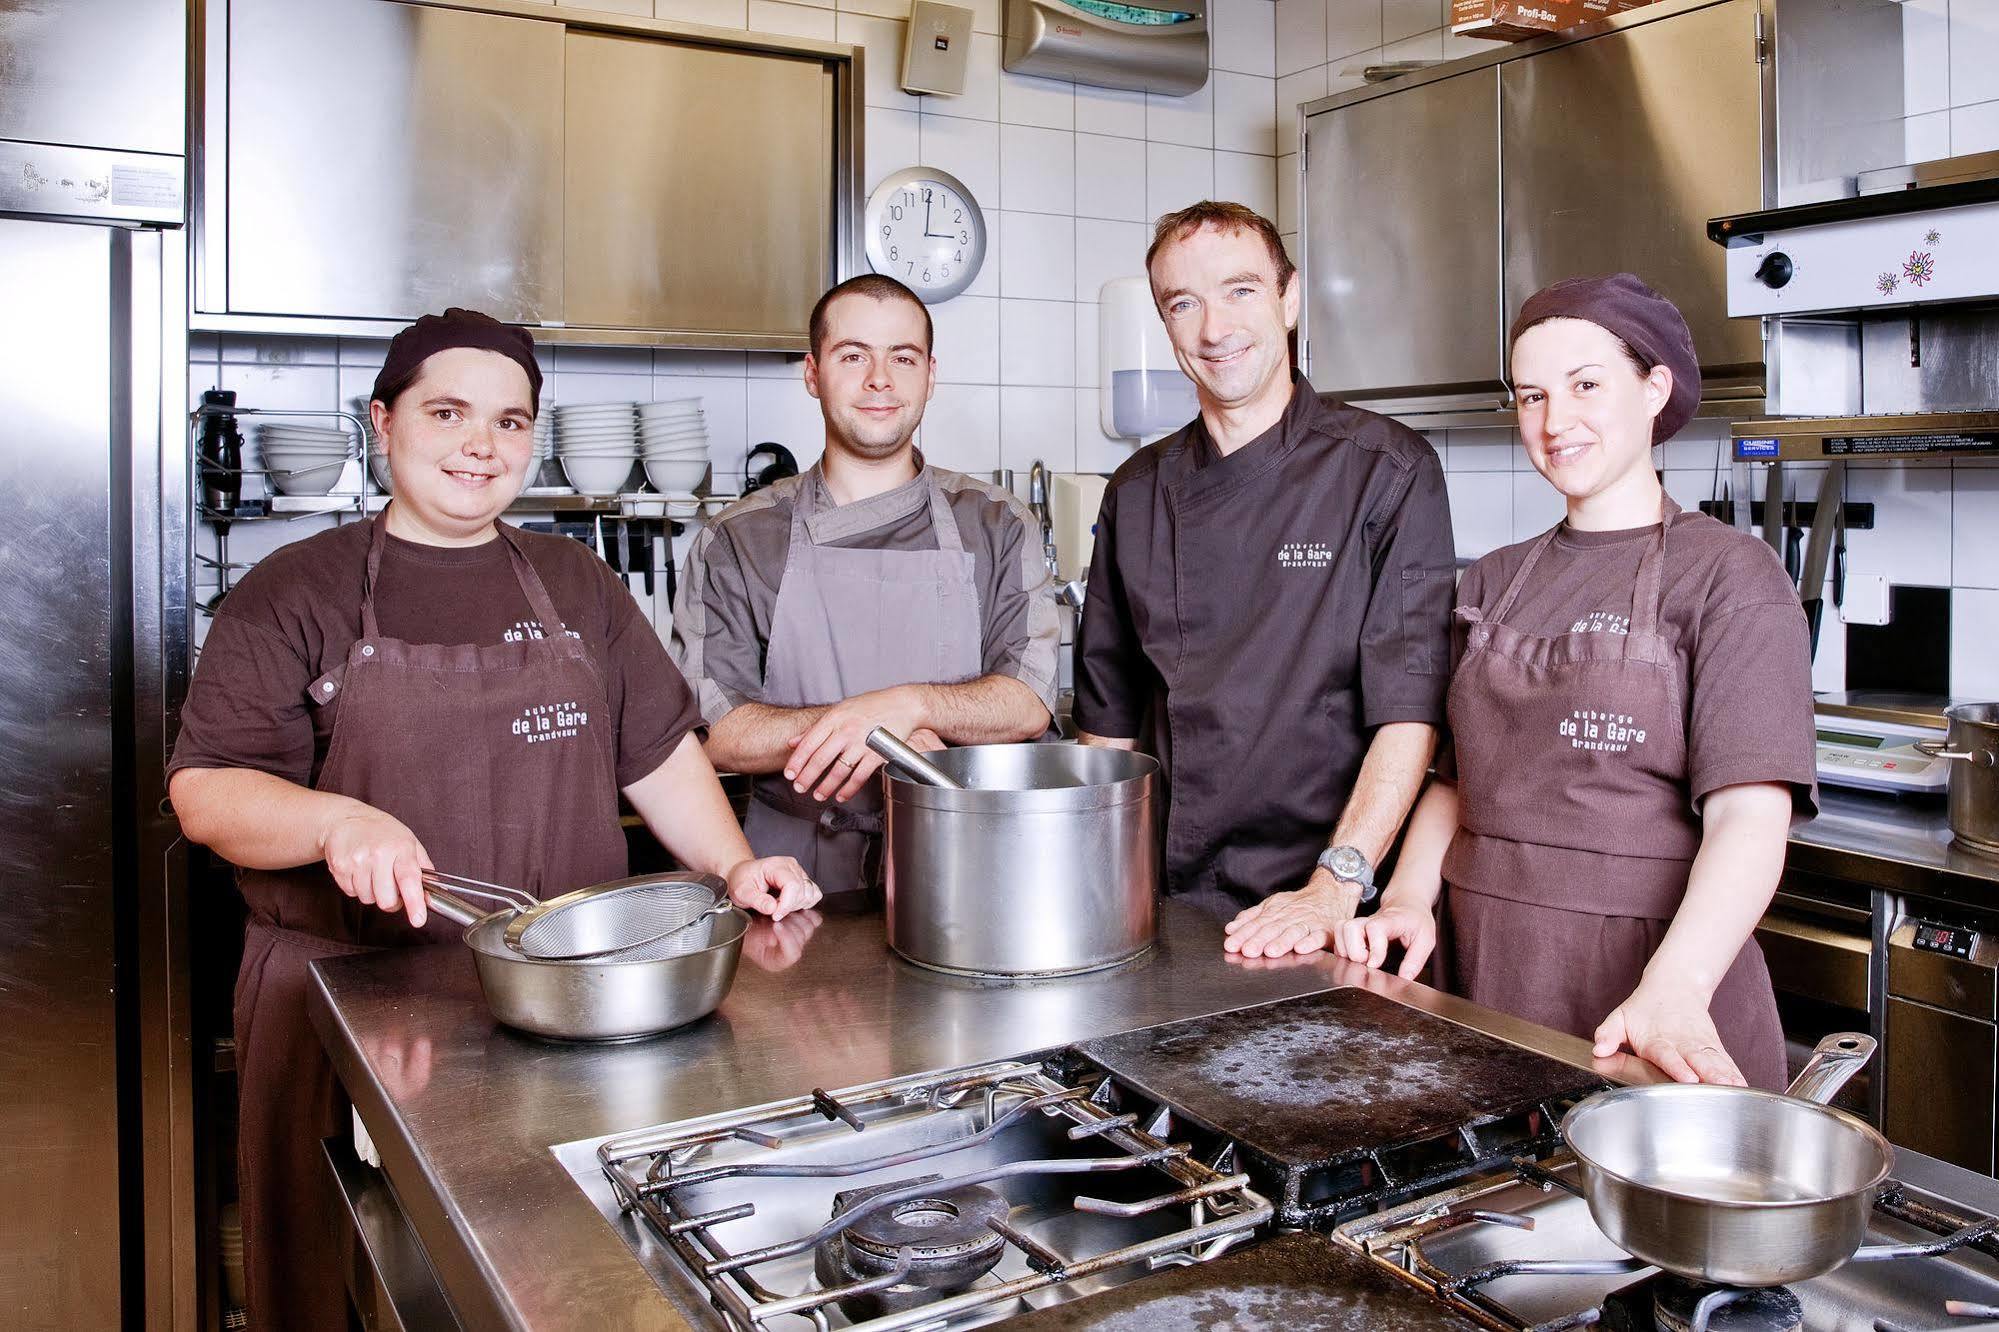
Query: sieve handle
464, 887
453, 908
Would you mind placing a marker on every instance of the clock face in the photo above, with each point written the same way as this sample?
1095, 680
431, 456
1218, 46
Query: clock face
926, 232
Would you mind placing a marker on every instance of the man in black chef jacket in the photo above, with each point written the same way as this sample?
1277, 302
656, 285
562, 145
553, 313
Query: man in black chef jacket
1271, 591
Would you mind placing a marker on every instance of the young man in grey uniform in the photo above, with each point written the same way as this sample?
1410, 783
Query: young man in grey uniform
874, 590
1271, 596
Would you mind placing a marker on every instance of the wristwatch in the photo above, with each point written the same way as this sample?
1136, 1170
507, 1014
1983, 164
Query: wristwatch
1348, 865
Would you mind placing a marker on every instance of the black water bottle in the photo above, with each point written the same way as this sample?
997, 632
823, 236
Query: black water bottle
221, 453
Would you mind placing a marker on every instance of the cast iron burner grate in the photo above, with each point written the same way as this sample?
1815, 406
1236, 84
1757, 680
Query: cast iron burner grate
1342, 1102
1031, 1188
1657, 1302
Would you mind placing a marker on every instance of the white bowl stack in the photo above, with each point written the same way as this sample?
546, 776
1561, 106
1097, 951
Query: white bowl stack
673, 440
597, 444
304, 460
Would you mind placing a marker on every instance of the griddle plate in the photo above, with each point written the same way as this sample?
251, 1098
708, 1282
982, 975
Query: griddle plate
1299, 1282
1329, 1077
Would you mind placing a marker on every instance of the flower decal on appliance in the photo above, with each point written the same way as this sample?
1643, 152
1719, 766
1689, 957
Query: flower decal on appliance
1919, 267
1887, 282
1932, 238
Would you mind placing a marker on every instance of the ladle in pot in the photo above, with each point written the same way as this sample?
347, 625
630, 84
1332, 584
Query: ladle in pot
908, 762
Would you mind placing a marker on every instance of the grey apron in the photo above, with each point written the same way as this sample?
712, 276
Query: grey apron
849, 620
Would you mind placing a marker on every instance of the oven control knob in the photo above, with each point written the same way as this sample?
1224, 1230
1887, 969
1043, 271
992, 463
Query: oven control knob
1775, 270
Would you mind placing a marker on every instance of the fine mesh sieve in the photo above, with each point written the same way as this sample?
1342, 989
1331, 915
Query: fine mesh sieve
630, 920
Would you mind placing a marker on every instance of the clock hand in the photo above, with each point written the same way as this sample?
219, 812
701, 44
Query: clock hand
926, 223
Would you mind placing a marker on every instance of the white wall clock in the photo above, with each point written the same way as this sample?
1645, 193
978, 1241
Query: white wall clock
925, 230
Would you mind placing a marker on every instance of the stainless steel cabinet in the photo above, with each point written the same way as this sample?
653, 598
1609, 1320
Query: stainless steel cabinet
1941, 1084
387, 159
70, 293
1435, 204
682, 192
596, 177
1402, 240
1619, 148
1943, 1045
91, 74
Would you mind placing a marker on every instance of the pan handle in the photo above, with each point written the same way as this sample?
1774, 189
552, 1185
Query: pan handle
1837, 1058
1983, 758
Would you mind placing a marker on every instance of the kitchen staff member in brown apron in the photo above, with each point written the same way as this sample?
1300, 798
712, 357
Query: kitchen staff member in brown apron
1632, 724
427, 689
1270, 597
874, 590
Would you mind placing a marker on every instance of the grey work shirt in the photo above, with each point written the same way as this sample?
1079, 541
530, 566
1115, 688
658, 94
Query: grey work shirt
722, 619
1263, 611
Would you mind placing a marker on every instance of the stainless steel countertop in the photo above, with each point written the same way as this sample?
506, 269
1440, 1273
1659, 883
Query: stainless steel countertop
464, 1112
1903, 846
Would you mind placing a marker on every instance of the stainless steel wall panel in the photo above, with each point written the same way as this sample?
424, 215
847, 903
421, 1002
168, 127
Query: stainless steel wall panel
63, 359
689, 186
1402, 246
1840, 101
1617, 151
95, 73
385, 160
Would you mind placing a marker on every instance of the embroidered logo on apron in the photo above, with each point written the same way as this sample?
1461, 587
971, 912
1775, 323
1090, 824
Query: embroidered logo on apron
528, 631
1602, 622
550, 721
1304, 555
1611, 732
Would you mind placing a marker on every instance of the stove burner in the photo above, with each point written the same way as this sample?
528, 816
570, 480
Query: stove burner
948, 1235
1690, 1306
952, 1229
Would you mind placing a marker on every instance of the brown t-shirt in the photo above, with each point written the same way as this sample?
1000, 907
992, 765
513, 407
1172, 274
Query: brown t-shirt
296, 614
1737, 628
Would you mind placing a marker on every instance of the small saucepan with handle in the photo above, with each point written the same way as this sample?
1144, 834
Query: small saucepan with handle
1735, 1185
641, 991
1972, 749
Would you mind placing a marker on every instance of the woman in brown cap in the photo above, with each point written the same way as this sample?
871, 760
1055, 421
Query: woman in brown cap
1631, 716
427, 688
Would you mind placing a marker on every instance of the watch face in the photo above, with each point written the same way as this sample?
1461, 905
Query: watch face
925, 231
1347, 863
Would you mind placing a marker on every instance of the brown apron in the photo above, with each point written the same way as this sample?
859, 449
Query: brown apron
1576, 830
848, 620
501, 760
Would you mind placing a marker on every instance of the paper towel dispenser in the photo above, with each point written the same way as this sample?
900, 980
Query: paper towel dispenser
1160, 46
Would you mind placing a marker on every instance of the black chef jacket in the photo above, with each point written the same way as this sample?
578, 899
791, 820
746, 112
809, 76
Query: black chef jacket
1266, 610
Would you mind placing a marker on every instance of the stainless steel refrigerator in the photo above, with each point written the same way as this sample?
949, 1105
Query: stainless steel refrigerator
95, 1139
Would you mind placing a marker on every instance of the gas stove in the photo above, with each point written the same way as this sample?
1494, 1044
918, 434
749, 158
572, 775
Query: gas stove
1333, 1162
1516, 1249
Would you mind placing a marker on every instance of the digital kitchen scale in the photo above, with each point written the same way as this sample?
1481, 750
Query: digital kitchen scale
1867, 739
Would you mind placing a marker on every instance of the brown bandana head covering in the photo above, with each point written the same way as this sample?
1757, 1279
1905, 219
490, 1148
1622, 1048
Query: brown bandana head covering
1649, 324
456, 327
